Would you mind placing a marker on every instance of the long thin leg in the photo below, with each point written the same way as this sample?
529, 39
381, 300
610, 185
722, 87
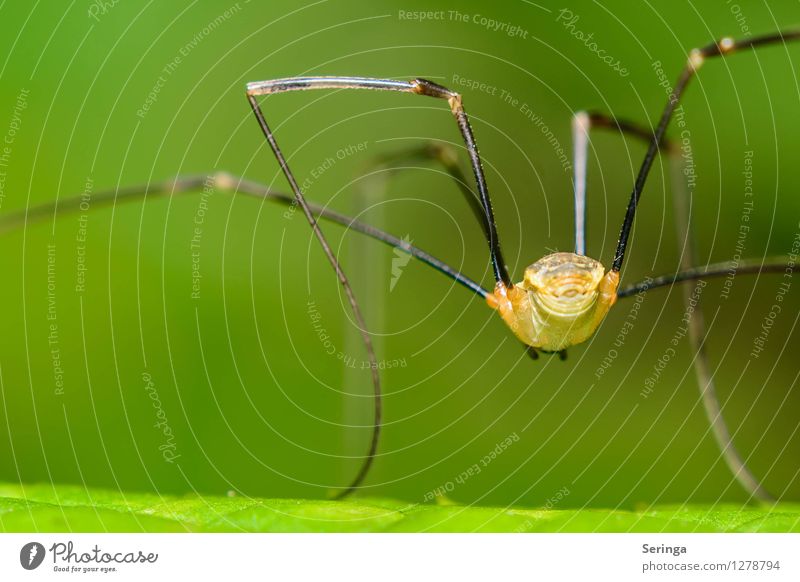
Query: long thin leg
376, 381
447, 158
697, 337
713, 271
229, 183
417, 87
687, 273
696, 59
580, 147
582, 122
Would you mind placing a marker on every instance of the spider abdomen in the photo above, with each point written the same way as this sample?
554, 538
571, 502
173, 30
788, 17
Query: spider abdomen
560, 303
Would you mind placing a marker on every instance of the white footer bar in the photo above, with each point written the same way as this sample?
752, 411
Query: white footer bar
390, 557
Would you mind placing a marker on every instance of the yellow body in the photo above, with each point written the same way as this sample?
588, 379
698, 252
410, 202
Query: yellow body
561, 302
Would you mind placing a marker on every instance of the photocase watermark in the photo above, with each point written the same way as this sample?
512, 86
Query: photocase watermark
551, 138
195, 242
69, 559
507, 28
168, 448
472, 471
556, 499
490, 24
53, 342
741, 19
508, 98
331, 349
687, 155
399, 261
777, 306
82, 236
622, 334
568, 20
330, 161
173, 64
669, 353
322, 167
31, 555
7, 147
100, 8
663, 79
460, 82
744, 227
421, 15
551, 502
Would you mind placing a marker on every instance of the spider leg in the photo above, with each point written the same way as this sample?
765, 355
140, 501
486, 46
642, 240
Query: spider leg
582, 122
696, 59
697, 336
447, 157
228, 183
416, 87
714, 270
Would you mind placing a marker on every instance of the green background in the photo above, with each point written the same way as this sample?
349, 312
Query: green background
255, 403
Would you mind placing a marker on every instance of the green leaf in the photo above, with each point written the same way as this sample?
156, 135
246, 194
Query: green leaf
54, 508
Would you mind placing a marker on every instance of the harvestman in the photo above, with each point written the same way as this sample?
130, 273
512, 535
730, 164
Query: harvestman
563, 297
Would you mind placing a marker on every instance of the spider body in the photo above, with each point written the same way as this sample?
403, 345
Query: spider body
561, 301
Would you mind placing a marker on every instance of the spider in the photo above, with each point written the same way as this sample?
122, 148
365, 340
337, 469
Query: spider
563, 297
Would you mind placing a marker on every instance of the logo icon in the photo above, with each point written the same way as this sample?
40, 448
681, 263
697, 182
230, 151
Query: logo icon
402, 255
31, 555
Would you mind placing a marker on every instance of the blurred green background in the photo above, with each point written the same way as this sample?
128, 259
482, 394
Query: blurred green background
252, 398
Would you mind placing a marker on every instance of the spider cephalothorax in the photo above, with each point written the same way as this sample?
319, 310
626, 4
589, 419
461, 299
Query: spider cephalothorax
559, 303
